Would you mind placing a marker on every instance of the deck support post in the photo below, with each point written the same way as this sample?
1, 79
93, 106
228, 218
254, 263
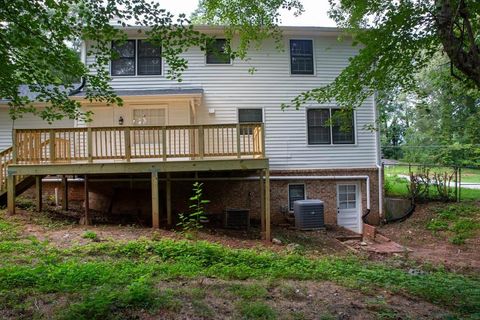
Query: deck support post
262, 204
155, 202
65, 193
268, 233
38, 193
168, 188
86, 218
11, 194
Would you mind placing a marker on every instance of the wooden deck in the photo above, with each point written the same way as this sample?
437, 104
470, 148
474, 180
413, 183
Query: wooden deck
147, 149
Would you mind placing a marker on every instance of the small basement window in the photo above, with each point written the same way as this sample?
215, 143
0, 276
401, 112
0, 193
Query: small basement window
217, 52
295, 192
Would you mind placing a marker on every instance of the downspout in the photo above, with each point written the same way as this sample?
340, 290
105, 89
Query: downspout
379, 160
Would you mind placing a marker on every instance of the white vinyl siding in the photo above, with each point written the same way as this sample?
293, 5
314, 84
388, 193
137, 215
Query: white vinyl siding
228, 88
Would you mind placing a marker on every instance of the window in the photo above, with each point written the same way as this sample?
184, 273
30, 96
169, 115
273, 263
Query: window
342, 130
136, 57
295, 192
249, 116
149, 117
149, 58
217, 52
318, 129
301, 57
322, 131
347, 196
124, 64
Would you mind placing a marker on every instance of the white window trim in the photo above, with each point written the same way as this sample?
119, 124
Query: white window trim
331, 144
216, 64
290, 58
304, 192
136, 75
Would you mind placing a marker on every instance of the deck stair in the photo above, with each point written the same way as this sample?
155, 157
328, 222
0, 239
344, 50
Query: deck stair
22, 183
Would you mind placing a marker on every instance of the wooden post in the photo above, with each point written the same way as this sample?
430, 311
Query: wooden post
38, 192
65, 193
52, 146
239, 152
90, 145
168, 189
11, 194
86, 217
128, 145
201, 141
262, 204
155, 202
268, 232
263, 140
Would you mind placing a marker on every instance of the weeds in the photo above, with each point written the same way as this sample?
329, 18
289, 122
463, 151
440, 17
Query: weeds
90, 235
460, 222
249, 292
191, 222
256, 311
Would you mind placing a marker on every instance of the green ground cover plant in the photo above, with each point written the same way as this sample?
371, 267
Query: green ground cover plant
460, 222
106, 278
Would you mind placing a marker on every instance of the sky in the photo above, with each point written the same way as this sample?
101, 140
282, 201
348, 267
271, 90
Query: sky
315, 12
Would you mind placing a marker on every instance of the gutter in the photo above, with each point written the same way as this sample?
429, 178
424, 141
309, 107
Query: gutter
379, 160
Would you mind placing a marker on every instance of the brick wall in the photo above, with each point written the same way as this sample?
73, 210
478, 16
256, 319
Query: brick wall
133, 197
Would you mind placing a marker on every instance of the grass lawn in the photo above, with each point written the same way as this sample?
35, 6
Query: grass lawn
397, 187
468, 175
111, 279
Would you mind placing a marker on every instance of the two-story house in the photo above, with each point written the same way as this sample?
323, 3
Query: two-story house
222, 125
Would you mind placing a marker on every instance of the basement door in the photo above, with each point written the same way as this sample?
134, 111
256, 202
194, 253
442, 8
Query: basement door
348, 207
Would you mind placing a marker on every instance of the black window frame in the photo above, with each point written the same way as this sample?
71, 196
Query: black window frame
217, 54
134, 58
336, 129
310, 128
147, 57
290, 200
332, 128
294, 55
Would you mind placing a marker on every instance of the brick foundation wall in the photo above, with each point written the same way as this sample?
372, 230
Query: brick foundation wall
133, 197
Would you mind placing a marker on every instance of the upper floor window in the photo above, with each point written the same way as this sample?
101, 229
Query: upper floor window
323, 131
217, 52
124, 64
136, 57
149, 58
301, 57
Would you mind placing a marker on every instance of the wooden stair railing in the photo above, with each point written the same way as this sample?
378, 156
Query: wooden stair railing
22, 182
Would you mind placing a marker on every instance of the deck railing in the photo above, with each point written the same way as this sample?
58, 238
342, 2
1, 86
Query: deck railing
162, 143
6, 157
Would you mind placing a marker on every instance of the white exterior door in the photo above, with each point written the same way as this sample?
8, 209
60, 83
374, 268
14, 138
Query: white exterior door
348, 207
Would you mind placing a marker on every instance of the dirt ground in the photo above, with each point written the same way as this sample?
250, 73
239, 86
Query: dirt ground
208, 298
423, 245
435, 249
